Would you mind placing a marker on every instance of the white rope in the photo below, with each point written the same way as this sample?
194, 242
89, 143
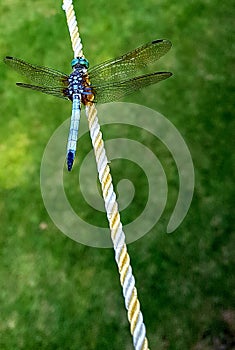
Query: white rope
122, 258
73, 28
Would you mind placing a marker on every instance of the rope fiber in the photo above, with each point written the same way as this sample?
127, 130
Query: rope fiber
122, 258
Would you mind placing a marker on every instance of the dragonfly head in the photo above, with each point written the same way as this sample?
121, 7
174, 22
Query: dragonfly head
80, 61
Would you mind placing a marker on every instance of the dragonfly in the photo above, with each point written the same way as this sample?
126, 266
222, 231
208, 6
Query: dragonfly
105, 82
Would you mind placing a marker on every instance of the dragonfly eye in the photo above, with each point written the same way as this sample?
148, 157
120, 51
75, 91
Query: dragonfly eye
81, 61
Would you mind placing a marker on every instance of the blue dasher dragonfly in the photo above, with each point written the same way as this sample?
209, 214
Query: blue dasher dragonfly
105, 82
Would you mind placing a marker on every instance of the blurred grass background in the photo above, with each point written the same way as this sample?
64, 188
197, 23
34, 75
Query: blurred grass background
58, 294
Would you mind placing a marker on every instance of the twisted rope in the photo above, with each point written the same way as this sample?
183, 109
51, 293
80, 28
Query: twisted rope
122, 258
73, 28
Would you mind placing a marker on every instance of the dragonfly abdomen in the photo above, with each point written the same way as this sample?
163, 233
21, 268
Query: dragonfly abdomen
73, 131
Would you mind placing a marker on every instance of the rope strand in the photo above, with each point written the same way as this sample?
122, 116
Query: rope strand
122, 258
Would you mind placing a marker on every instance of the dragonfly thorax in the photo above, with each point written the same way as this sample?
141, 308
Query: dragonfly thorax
77, 81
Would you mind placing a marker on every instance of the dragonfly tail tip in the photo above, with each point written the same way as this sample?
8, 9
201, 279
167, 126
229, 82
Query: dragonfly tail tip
70, 159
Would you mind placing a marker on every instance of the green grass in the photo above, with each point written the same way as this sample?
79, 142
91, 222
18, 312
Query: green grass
58, 294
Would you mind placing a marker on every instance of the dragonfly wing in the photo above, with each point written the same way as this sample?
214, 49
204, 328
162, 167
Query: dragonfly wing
50, 90
37, 74
115, 91
122, 67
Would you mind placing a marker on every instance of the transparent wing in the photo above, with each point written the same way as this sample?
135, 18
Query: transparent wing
55, 91
39, 75
126, 66
115, 91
